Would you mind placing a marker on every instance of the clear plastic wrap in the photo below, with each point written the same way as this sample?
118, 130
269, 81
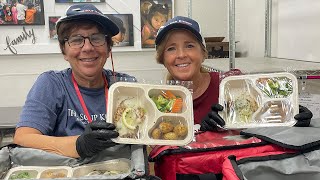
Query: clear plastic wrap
38, 172
112, 169
259, 100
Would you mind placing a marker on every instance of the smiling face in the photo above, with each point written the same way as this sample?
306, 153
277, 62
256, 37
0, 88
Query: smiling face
183, 55
86, 62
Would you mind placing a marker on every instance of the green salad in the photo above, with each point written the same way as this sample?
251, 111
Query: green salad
279, 87
167, 102
22, 175
163, 104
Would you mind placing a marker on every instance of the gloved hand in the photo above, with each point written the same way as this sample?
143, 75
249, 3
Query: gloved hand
304, 117
95, 138
213, 120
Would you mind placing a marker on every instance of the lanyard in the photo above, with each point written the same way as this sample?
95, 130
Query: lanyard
83, 104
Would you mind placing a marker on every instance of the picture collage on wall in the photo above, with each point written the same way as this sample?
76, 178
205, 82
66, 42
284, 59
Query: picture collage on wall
21, 12
123, 21
52, 27
125, 24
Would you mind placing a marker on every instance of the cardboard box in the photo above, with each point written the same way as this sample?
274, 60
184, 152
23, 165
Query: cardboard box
217, 49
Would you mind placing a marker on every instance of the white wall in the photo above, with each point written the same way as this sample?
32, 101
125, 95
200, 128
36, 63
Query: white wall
19, 72
249, 25
212, 16
298, 29
295, 29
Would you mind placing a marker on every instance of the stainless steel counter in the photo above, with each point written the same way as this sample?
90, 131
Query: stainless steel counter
9, 116
262, 65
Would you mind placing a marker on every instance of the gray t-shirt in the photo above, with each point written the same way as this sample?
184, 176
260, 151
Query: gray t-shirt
52, 105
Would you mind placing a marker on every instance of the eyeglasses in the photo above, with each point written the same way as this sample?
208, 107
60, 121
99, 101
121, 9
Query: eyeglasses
77, 41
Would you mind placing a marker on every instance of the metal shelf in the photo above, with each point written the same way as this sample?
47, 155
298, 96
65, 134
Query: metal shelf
231, 29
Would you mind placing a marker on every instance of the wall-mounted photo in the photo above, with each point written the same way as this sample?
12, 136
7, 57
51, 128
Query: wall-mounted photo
52, 27
123, 21
79, 1
21, 12
154, 13
125, 24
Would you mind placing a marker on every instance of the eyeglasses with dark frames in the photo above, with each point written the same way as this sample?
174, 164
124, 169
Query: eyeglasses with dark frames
78, 41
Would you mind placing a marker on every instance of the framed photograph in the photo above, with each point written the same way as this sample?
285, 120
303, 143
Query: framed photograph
79, 1
153, 13
21, 12
125, 24
52, 27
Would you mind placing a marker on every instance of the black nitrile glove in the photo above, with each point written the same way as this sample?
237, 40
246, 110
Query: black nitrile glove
95, 138
213, 120
304, 117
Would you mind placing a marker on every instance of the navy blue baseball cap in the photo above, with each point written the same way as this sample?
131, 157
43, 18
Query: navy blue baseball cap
89, 12
180, 22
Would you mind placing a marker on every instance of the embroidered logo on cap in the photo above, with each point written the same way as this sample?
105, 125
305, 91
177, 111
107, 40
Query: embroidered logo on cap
86, 10
180, 21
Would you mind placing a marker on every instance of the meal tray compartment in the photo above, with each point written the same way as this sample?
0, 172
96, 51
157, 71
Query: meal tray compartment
136, 95
259, 100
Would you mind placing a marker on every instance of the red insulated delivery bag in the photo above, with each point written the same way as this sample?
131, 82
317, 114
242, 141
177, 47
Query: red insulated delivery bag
277, 153
206, 157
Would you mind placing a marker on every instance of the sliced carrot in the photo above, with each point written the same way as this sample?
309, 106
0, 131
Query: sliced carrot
170, 95
164, 95
177, 105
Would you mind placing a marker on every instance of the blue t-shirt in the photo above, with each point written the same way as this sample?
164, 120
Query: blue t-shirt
53, 107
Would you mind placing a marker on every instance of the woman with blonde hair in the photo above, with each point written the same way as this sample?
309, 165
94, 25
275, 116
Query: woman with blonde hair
182, 50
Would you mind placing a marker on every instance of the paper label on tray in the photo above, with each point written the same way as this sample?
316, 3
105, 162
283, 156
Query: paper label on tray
312, 101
